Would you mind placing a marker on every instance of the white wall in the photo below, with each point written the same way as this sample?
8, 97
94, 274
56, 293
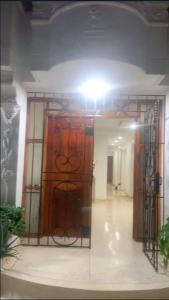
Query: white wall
166, 159
129, 169
100, 160
21, 99
117, 167
123, 168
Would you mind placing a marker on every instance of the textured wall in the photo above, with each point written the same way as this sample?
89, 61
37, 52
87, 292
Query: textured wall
99, 31
15, 66
166, 162
21, 99
9, 139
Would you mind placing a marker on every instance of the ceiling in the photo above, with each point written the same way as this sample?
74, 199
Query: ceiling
67, 77
152, 11
63, 58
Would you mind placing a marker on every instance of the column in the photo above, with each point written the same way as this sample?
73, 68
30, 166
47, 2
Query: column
117, 169
9, 137
123, 169
128, 183
166, 161
100, 170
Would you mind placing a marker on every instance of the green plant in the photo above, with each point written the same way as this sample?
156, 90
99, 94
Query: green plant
11, 223
164, 243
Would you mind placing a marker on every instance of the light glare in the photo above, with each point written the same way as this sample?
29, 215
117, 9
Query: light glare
117, 234
95, 89
133, 126
106, 227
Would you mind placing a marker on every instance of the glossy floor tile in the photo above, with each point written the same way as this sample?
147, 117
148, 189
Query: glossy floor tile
114, 258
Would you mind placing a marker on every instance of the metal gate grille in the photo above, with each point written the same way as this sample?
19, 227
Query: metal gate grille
147, 155
151, 182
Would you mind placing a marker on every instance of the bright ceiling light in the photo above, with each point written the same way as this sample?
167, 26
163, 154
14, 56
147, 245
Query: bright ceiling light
117, 234
112, 144
95, 88
116, 141
106, 227
133, 126
120, 137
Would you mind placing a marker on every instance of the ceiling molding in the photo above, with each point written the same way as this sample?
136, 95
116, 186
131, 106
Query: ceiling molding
150, 12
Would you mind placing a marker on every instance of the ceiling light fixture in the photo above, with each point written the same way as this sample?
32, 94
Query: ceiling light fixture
95, 88
120, 137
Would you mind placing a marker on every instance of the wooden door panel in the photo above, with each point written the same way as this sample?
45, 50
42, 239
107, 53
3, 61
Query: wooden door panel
67, 175
66, 145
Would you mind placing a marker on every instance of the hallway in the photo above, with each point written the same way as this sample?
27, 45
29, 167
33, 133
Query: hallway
115, 261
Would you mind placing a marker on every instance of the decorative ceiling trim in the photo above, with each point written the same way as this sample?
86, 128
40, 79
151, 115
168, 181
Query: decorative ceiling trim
74, 4
78, 97
117, 106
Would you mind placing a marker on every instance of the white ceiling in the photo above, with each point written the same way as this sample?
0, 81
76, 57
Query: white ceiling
67, 77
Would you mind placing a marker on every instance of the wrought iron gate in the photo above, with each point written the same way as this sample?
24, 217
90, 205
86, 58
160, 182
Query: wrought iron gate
151, 182
147, 194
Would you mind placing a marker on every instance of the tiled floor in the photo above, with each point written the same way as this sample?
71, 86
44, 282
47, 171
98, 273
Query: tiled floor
114, 261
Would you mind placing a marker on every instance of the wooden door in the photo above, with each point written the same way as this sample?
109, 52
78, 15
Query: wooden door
67, 175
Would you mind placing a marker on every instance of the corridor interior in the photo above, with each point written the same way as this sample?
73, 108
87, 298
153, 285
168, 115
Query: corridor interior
115, 260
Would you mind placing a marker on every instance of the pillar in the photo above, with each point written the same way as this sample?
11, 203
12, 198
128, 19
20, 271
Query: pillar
9, 137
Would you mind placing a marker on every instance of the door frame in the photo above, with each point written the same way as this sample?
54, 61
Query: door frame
64, 104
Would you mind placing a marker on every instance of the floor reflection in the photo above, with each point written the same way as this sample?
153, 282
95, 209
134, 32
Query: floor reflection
113, 259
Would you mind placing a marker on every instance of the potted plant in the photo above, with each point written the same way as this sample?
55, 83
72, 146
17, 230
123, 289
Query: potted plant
11, 227
164, 244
